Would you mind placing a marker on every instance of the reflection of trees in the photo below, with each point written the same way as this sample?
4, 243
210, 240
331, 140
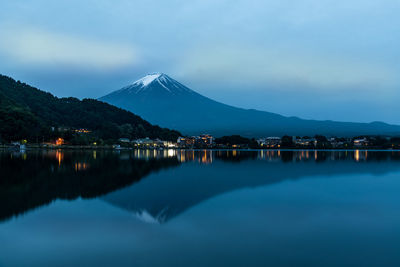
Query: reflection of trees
37, 179
287, 156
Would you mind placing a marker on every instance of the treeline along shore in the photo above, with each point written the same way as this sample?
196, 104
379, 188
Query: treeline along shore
226, 142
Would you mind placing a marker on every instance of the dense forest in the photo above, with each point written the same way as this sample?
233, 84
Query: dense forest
36, 116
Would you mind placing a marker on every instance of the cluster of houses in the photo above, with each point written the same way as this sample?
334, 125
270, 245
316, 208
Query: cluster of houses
207, 141
270, 142
147, 143
276, 142
201, 141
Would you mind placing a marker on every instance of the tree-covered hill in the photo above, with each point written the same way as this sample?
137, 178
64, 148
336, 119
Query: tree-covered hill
29, 113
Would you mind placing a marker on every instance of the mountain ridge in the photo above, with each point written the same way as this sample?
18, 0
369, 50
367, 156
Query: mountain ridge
192, 113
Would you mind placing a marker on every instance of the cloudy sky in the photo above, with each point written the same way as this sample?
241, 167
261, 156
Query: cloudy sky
320, 59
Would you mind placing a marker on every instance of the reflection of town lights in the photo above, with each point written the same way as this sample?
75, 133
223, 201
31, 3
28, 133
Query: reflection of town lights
183, 158
205, 157
59, 157
171, 152
357, 155
81, 166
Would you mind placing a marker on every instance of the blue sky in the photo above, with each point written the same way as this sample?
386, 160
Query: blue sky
320, 59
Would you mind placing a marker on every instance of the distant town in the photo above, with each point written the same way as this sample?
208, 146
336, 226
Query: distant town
207, 141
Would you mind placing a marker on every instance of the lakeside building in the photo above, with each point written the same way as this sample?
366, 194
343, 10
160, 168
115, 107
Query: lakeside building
201, 141
361, 142
204, 140
270, 142
143, 142
157, 143
305, 141
60, 141
186, 142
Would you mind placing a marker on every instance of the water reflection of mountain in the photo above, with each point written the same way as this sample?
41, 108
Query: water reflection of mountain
159, 198
38, 178
30, 180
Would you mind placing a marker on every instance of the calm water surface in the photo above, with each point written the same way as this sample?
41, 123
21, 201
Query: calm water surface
200, 208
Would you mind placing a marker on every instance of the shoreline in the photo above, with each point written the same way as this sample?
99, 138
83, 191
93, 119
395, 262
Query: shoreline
110, 148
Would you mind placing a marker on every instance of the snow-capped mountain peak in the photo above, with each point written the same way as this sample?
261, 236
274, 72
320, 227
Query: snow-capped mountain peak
156, 82
148, 79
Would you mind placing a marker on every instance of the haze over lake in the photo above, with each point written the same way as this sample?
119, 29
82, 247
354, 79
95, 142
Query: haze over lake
200, 208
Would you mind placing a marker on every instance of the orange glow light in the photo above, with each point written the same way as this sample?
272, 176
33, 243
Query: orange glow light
59, 141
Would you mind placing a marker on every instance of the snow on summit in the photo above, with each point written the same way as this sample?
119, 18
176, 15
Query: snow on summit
148, 79
153, 83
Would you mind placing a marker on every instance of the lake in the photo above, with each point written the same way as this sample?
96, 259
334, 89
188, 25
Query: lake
200, 208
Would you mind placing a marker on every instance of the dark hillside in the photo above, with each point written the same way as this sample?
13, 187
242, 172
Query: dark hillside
29, 113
